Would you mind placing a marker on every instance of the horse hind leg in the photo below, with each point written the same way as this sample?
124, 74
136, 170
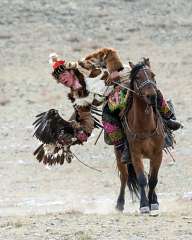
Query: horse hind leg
132, 181
123, 178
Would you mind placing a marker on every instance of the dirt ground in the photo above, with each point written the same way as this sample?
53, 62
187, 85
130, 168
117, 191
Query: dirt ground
73, 202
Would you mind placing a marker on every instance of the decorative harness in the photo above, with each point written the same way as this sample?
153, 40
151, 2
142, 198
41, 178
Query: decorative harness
144, 83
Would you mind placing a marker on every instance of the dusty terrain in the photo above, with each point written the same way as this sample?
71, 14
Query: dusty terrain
73, 202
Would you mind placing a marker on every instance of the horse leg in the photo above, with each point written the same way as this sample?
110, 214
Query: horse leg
123, 177
142, 181
153, 179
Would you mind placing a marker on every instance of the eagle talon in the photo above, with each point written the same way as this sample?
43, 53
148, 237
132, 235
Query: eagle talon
69, 156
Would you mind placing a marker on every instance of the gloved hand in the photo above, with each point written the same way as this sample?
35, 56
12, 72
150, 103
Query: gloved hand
114, 76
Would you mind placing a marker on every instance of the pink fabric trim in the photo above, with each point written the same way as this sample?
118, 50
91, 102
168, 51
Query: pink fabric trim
82, 136
109, 127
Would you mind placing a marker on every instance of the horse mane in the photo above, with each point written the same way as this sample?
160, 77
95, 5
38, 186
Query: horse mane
107, 55
132, 76
135, 70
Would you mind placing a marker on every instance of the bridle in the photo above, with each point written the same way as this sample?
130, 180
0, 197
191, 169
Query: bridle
139, 86
147, 81
138, 92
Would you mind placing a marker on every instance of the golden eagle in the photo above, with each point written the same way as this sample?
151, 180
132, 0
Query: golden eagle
56, 135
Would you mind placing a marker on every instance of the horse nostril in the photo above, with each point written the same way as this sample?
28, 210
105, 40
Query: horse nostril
148, 97
153, 98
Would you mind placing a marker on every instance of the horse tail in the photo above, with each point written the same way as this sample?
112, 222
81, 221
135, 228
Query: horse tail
132, 182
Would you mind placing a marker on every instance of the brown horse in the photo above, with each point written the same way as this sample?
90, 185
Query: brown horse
144, 131
143, 128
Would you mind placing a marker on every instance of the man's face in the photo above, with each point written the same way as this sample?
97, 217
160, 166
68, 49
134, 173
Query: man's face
68, 79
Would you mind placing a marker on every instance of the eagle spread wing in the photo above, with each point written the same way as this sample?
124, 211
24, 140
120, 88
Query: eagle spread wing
56, 135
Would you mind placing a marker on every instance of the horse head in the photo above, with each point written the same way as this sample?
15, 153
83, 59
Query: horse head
143, 81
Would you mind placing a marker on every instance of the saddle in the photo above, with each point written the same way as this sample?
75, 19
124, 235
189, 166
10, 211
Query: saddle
113, 123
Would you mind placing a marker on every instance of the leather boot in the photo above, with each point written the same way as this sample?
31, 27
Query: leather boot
173, 124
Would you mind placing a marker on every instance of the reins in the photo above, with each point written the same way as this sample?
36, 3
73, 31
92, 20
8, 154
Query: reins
129, 89
86, 165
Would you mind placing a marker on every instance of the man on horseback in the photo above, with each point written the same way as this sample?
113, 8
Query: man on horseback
163, 106
118, 78
117, 99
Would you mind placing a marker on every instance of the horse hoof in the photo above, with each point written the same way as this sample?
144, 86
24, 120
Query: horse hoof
154, 213
144, 210
119, 207
154, 206
154, 209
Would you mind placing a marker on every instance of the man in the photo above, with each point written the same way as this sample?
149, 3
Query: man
68, 75
84, 84
67, 78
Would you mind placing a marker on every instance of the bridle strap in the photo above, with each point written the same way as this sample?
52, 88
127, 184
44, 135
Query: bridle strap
129, 89
146, 82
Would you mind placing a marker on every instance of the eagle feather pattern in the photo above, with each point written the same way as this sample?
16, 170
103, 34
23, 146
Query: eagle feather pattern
56, 135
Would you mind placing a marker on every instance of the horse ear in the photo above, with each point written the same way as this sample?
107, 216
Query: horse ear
146, 61
131, 64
